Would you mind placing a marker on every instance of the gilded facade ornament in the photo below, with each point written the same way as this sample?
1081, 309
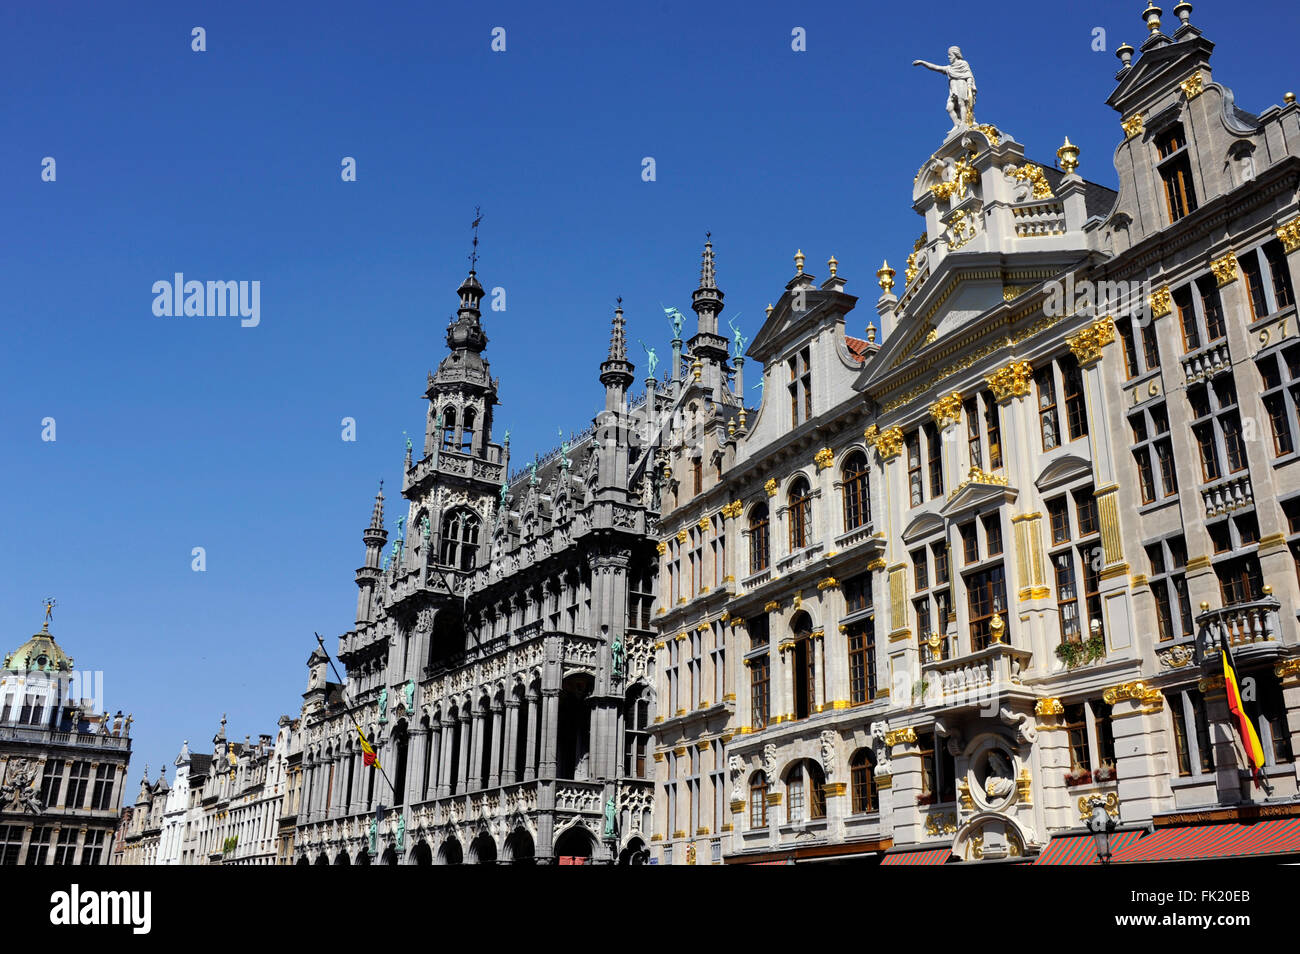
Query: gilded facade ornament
977, 476
1210, 683
1110, 803
1049, 707
885, 277
1068, 156
771, 606
912, 268
824, 458
1024, 786
1138, 691
1012, 292
932, 336
1087, 344
1225, 269
1132, 126
889, 442
1161, 302
829, 583
770, 486
896, 736
662, 547
725, 615
963, 793
1288, 234
876, 564
1193, 86
946, 410
703, 524
683, 536
1037, 179
1011, 381
1287, 668
869, 435
994, 136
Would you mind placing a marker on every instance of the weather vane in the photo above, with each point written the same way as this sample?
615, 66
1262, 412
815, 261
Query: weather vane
49, 608
473, 255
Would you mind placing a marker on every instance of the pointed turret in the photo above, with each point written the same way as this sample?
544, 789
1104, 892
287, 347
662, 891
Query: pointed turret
374, 537
708, 348
612, 424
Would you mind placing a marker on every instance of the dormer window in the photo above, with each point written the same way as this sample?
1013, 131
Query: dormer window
1176, 172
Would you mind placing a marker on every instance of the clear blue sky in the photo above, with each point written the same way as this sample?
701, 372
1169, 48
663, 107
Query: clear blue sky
177, 433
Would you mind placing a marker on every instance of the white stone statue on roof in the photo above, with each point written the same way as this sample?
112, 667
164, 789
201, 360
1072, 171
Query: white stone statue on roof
961, 87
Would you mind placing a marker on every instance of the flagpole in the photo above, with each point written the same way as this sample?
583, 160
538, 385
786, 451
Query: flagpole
343, 693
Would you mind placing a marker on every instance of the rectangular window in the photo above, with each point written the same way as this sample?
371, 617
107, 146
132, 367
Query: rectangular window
51, 780
103, 793
1085, 512
862, 661
1060, 520
917, 494
1124, 328
969, 543
1047, 423
66, 848
935, 447
1283, 294
1187, 318
1211, 307
758, 691
992, 431
1067, 597
1239, 580
78, 778
857, 593
1076, 413
1075, 723
1150, 347
93, 848
971, 410
920, 570
993, 534
1250, 271
986, 596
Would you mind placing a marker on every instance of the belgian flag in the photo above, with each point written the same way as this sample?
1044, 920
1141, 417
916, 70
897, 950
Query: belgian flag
1249, 737
368, 756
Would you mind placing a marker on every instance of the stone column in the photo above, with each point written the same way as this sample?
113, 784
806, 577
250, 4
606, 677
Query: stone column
511, 742
466, 742
549, 728
430, 783
415, 765
494, 767
818, 649
445, 768
1087, 347
530, 752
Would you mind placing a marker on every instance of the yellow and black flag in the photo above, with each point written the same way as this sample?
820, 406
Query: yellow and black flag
1246, 728
368, 756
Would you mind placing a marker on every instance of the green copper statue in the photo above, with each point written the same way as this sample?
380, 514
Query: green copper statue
532, 476
374, 836
676, 319
739, 342
424, 526
401, 832
616, 656
409, 693
651, 359
610, 829
383, 704
504, 490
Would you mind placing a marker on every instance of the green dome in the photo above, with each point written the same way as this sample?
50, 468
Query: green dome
39, 654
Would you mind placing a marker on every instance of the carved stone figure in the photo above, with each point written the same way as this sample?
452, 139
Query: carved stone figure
1000, 780
383, 704
1026, 729
769, 761
374, 837
736, 766
961, 87
425, 529
828, 753
19, 789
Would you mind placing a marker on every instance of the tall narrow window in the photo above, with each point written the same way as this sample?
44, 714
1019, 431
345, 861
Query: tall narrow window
467, 432
800, 514
973, 443
758, 800
857, 502
935, 448
862, 772
1048, 426
759, 552
993, 431
758, 691
1076, 413
460, 539
914, 468
1176, 173
1283, 294
1254, 277
449, 428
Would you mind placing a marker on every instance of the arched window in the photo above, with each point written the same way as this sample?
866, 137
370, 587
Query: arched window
759, 548
449, 428
862, 771
800, 503
636, 734
758, 800
467, 432
857, 499
805, 788
804, 660
459, 540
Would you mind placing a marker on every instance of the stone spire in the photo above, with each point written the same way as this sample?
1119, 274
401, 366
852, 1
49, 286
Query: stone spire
707, 299
707, 275
708, 348
618, 335
374, 537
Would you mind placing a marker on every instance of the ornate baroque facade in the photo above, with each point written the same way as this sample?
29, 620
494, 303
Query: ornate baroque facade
942, 596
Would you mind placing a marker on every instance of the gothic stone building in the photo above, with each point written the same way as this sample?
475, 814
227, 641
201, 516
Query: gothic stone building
500, 661
951, 594
63, 764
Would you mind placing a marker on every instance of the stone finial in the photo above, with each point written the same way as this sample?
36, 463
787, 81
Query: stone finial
885, 276
377, 514
708, 277
1068, 155
617, 335
871, 334
1184, 13
1125, 53
769, 309
1288, 97
833, 265
1152, 16
798, 261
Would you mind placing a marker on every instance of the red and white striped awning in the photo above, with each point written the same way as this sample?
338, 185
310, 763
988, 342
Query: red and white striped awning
1082, 849
1272, 836
930, 856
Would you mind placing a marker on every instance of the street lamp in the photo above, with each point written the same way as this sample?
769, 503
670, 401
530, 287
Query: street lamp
1101, 825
